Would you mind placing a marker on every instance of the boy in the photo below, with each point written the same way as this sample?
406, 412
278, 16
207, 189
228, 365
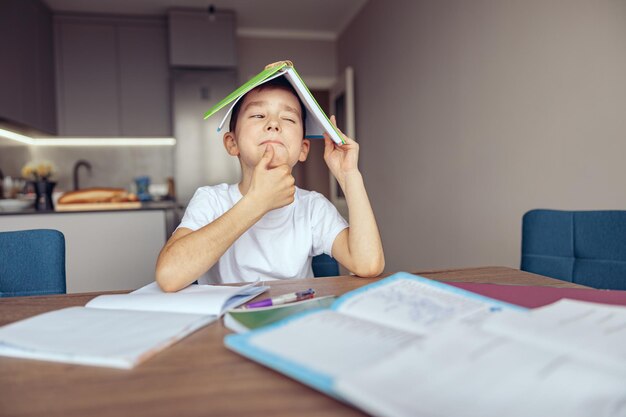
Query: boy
265, 226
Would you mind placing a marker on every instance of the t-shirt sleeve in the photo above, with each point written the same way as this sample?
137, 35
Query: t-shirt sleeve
201, 210
327, 223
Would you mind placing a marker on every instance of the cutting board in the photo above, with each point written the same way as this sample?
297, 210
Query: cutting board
98, 206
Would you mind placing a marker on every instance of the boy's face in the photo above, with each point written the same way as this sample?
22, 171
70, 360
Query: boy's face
268, 117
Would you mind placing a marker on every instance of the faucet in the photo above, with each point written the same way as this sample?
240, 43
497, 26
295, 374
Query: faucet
77, 165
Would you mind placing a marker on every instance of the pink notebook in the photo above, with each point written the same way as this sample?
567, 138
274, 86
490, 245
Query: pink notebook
532, 296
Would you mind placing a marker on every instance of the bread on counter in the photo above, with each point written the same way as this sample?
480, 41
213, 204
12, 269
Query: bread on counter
97, 195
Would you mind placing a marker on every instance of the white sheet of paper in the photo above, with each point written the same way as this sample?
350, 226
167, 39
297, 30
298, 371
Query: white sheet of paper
333, 343
594, 331
413, 306
101, 337
464, 372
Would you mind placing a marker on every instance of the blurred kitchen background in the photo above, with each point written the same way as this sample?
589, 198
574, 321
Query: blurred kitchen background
469, 113
113, 94
148, 69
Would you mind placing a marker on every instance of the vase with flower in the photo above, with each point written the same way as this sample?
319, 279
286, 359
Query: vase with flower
39, 175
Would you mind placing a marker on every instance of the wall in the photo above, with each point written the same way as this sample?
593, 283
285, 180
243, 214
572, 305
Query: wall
315, 60
111, 166
12, 158
471, 113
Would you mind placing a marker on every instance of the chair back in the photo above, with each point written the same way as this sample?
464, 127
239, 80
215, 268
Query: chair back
324, 266
583, 247
32, 262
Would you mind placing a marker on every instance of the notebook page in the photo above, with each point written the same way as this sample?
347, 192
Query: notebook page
89, 336
328, 342
319, 123
195, 299
594, 331
464, 372
416, 304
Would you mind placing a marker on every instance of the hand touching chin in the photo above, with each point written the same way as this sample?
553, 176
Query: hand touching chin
280, 157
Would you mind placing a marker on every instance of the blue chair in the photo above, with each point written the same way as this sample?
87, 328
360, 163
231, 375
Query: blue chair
324, 266
32, 262
583, 247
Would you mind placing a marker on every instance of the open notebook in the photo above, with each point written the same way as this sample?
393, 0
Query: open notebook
121, 330
407, 346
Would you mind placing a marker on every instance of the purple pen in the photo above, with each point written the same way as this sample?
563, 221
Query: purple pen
283, 299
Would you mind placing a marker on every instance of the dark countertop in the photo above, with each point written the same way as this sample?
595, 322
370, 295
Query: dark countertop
148, 205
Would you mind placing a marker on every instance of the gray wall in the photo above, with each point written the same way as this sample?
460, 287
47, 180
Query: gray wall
12, 158
314, 59
111, 166
470, 113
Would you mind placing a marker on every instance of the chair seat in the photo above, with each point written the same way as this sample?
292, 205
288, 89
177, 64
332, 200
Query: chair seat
583, 247
32, 262
324, 266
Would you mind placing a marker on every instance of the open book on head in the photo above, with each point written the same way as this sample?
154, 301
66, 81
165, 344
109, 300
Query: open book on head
316, 120
121, 330
407, 346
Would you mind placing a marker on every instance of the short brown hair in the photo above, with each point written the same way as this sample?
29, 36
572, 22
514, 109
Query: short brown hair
279, 83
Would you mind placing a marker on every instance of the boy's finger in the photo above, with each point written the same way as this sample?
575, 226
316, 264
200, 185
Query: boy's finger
329, 145
267, 156
349, 141
333, 120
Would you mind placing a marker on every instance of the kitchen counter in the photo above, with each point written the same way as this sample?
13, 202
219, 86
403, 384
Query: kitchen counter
106, 250
148, 205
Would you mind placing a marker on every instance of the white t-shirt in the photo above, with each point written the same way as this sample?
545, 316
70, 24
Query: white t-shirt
279, 246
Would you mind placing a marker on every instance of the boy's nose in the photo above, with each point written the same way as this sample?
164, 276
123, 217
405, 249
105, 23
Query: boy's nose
272, 125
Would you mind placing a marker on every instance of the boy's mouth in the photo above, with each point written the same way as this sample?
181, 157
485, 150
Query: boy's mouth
272, 141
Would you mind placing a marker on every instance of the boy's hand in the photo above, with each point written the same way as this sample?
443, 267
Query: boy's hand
272, 188
341, 159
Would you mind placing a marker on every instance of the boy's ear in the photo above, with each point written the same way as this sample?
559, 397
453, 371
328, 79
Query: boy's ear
304, 150
231, 144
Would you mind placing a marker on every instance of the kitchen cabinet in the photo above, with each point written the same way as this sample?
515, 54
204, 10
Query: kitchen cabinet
201, 39
104, 251
87, 79
144, 81
27, 65
112, 76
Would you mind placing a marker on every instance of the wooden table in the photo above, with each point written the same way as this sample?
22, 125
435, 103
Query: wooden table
197, 376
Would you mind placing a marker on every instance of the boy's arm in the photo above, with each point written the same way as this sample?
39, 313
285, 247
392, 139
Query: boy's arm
359, 247
188, 254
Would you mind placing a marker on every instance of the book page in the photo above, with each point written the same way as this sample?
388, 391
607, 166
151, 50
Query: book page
89, 336
319, 123
194, 299
418, 305
594, 331
464, 372
328, 342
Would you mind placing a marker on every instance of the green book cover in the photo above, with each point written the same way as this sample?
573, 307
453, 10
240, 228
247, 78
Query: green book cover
241, 320
253, 82
317, 122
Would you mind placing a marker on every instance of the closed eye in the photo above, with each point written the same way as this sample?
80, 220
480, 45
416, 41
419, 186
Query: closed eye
257, 116
289, 120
